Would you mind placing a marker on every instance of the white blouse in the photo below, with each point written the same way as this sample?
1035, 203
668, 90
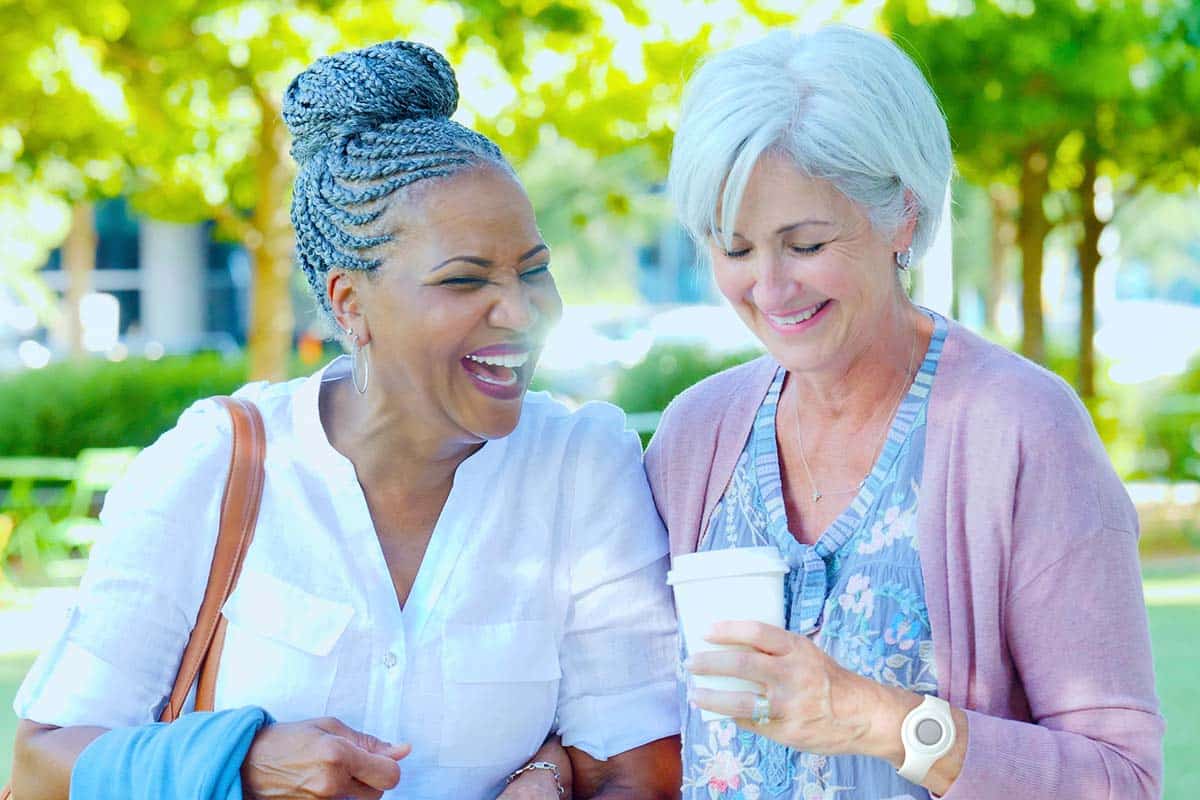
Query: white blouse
540, 604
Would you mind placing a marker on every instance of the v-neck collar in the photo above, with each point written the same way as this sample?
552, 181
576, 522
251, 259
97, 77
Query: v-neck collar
766, 458
451, 532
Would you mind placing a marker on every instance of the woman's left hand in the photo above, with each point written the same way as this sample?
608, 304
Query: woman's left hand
815, 704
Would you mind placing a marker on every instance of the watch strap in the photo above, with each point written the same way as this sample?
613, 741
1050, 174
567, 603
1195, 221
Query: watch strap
920, 754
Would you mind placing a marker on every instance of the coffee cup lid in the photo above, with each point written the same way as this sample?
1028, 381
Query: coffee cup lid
725, 563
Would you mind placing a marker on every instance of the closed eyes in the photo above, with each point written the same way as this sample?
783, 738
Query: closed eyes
466, 281
804, 250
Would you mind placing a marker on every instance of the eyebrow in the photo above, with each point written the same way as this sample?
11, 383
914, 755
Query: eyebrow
487, 264
801, 224
793, 226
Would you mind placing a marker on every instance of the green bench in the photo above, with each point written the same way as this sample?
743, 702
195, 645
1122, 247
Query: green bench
51, 502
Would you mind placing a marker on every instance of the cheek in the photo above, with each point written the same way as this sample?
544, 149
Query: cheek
440, 326
548, 302
734, 283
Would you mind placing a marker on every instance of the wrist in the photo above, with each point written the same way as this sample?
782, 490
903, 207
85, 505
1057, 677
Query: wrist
539, 778
890, 707
543, 774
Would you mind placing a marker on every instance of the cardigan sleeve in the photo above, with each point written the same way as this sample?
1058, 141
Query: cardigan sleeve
1073, 622
1079, 639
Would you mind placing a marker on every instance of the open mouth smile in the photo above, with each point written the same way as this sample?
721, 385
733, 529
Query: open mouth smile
499, 371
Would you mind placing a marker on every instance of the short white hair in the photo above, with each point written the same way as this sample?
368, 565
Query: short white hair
847, 106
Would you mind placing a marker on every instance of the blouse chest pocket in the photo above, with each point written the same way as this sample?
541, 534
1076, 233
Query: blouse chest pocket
280, 648
500, 692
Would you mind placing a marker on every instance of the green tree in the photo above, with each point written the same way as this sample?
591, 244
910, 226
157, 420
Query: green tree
1016, 81
202, 79
1074, 94
62, 120
1143, 133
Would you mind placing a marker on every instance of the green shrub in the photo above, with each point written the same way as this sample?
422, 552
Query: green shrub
1171, 429
667, 371
63, 408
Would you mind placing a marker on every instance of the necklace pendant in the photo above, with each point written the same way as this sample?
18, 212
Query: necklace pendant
817, 497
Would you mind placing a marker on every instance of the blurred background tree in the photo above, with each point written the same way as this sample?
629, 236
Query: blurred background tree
64, 121
1072, 98
176, 104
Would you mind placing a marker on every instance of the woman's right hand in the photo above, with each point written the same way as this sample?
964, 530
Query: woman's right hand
319, 759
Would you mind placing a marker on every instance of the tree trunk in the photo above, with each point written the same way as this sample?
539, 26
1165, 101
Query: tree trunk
1089, 260
1003, 204
78, 262
1032, 228
269, 338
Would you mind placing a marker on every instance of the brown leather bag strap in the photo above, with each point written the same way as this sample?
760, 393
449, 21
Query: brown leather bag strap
239, 515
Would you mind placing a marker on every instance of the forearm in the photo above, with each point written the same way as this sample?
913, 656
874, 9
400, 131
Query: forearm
551, 752
649, 772
996, 759
43, 757
1007, 758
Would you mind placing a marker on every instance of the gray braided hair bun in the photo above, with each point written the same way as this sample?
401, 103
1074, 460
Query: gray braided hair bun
365, 124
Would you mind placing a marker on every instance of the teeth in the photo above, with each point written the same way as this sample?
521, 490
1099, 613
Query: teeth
512, 361
796, 319
497, 382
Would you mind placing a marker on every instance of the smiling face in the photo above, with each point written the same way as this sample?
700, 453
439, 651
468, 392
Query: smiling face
806, 271
458, 310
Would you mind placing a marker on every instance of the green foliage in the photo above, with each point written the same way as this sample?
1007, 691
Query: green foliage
584, 204
1171, 430
59, 410
1151, 430
1008, 76
667, 371
175, 103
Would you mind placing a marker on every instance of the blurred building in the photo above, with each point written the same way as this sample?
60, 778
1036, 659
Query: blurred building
176, 286
667, 272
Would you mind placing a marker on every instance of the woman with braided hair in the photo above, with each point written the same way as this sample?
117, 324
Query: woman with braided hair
442, 559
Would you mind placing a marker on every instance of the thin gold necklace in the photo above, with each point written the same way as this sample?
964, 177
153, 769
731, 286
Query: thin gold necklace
817, 494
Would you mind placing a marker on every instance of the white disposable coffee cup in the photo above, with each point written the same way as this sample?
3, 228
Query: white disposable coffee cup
741, 583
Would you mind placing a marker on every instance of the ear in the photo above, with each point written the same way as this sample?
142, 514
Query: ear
904, 234
343, 290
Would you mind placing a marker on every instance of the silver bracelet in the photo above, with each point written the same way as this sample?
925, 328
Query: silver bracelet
546, 765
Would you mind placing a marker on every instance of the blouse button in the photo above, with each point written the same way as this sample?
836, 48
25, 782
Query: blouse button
389, 660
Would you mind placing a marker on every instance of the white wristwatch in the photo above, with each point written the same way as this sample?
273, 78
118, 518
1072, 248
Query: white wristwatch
928, 734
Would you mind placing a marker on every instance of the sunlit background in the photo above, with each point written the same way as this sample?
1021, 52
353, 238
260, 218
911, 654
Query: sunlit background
147, 259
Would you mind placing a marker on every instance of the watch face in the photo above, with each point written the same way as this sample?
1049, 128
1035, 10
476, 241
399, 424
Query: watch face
929, 731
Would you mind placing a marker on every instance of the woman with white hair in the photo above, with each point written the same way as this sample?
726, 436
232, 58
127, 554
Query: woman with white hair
963, 609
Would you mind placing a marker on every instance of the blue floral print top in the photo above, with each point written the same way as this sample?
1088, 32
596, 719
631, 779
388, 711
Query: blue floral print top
857, 592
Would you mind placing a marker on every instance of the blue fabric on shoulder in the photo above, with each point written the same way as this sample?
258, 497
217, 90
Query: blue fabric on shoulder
197, 757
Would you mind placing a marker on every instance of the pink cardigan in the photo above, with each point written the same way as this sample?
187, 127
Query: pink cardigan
1029, 554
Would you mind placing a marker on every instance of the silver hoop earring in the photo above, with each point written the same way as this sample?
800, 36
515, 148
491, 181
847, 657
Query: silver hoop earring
904, 258
361, 386
356, 349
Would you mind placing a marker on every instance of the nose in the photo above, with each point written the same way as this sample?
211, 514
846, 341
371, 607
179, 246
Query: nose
773, 287
514, 308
